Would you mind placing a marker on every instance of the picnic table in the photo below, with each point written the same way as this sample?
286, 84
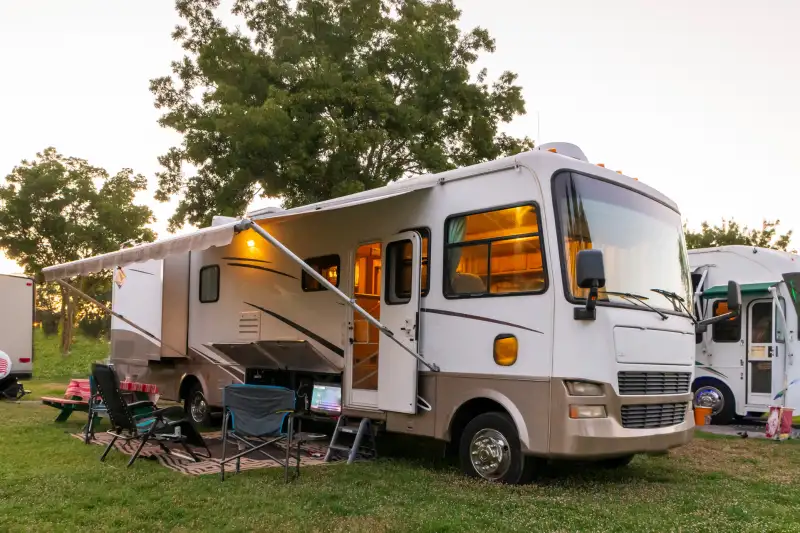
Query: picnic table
78, 394
141, 391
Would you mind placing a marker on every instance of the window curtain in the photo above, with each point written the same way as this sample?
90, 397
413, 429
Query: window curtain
456, 231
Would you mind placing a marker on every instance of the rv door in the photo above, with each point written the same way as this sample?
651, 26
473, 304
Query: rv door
397, 373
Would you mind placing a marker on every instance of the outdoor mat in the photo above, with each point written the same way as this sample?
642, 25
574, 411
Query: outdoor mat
311, 454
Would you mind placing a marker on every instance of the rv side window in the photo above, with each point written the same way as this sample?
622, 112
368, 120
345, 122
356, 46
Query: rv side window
328, 266
728, 330
209, 284
493, 253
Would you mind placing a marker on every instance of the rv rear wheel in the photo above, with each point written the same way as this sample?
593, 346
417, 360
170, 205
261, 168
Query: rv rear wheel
197, 407
490, 449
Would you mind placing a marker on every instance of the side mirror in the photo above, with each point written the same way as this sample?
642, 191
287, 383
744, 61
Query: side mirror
734, 297
734, 306
590, 271
590, 274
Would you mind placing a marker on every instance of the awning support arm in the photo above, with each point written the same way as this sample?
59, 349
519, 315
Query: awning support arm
113, 313
130, 323
249, 224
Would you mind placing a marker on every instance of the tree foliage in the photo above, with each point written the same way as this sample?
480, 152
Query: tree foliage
322, 98
731, 232
56, 209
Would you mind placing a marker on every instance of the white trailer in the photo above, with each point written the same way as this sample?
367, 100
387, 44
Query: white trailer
746, 364
468, 306
16, 323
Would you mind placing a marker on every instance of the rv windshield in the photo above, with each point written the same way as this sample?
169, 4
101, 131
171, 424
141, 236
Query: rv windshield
641, 239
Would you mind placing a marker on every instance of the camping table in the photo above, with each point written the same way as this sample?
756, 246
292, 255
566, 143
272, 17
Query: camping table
141, 391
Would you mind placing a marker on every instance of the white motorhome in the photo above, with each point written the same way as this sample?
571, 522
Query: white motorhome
506, 307
745, 364
16, 323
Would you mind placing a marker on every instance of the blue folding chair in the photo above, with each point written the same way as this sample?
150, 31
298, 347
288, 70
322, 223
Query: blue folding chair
255, 417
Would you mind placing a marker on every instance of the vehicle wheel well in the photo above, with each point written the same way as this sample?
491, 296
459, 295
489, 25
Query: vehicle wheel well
707, 379
187, 384
469, 410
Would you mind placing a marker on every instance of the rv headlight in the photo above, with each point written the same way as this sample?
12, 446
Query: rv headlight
584, 388
587, 411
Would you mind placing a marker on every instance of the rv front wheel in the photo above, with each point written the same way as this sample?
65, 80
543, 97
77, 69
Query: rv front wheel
197, 407
716, 395
490, 449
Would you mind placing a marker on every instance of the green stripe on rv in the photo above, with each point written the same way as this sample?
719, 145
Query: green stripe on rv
753, 289
709, 369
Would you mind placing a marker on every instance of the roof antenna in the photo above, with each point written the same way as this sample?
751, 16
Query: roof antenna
538, 137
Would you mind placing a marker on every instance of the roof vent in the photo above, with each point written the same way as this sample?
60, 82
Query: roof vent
567, 149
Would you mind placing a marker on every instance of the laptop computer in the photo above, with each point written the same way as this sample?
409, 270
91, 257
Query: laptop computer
326, 399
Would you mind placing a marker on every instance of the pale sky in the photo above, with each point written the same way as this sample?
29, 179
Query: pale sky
699, 99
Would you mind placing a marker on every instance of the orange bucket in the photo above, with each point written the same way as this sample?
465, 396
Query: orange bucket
702, 415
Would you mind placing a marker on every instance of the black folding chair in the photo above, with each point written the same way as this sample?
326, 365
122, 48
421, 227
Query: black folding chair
255, 417
143, 421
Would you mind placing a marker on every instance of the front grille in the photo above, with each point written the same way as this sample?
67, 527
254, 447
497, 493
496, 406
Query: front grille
645, 383
657, 415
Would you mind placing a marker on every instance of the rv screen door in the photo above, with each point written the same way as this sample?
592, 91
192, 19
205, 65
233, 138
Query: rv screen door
397, 373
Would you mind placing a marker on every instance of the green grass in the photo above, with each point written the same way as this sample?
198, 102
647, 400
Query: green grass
54, 482
50, 365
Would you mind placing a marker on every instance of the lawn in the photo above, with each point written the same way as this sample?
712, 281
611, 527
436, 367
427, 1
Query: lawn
50, 365
53, 482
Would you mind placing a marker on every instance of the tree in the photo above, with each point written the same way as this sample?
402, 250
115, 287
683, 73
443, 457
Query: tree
730, 232
51, 212
323, 98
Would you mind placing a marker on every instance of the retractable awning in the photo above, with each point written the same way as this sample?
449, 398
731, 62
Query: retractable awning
222, 234
199, 240
752, 289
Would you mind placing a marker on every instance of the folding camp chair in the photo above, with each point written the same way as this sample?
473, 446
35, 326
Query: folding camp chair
159, 425
255, 417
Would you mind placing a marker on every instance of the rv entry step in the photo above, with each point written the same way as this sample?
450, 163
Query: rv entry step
363, 442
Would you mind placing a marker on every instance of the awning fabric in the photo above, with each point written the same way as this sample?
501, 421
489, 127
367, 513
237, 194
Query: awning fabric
752, 289
221, 235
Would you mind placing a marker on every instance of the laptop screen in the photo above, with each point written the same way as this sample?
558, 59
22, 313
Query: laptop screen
326, 398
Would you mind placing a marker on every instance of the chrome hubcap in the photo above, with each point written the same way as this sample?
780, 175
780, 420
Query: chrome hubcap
198, 407
709, 396
490, 454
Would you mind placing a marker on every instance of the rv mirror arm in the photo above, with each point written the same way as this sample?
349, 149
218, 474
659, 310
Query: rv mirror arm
249, 224
708, 321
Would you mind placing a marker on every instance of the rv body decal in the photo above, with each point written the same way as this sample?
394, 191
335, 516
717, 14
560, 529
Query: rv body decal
265, 269
329, 345
709, 369
477, 317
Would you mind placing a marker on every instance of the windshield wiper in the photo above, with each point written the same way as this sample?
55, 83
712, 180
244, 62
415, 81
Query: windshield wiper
675, 297
638, 298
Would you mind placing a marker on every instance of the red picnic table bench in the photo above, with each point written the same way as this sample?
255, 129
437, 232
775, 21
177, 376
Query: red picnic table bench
78, 394
76, 398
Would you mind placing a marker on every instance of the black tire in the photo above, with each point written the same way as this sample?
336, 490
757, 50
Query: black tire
727, 413
198, 415
616, 462
491, 429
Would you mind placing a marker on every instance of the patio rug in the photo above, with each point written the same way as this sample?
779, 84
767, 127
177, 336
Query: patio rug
311, 454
